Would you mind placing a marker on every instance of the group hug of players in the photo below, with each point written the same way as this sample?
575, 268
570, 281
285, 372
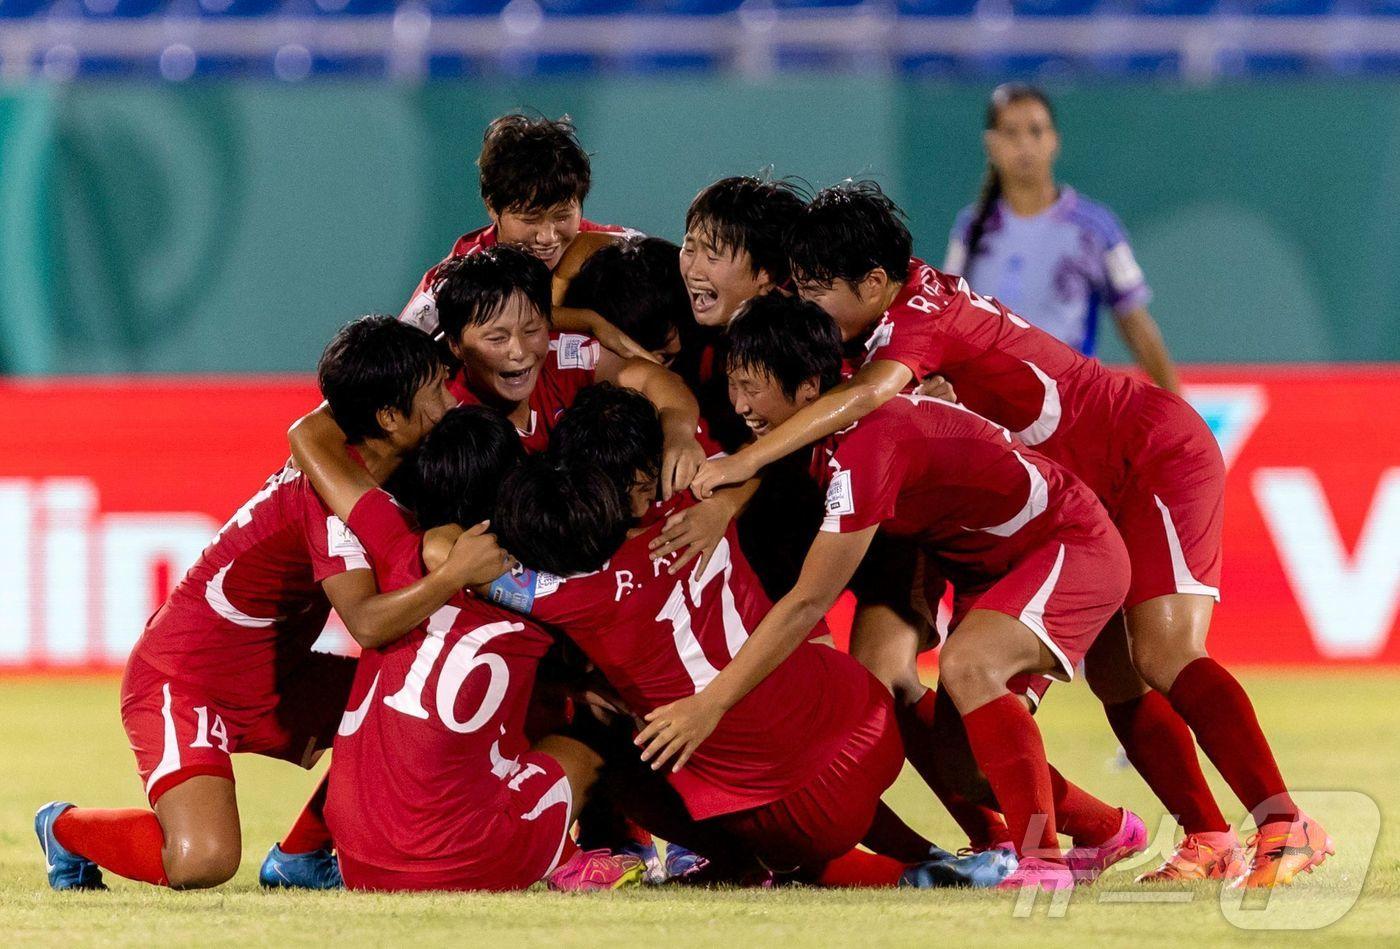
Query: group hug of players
584, 506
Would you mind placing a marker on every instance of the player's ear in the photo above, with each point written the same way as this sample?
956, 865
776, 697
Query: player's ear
765, 280
808, 391
874, 283
390, 420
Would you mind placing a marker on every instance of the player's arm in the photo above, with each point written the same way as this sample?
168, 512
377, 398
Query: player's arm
680, 415
871, 387
570, 319
318, 447
674, 731
375, 619
1144, 340
699, 529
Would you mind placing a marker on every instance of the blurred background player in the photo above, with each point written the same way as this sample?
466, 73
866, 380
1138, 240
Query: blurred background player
1049, 253
534, 178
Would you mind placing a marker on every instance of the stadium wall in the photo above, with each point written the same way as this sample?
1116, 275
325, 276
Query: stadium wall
229, 227
120, 483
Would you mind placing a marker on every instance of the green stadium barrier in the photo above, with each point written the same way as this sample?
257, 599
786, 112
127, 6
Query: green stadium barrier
230, 227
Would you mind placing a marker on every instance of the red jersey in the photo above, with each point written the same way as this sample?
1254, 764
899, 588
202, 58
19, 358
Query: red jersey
252, 605
421, 309
570, 365
426, 751
975, 499
659, 638
1065, 405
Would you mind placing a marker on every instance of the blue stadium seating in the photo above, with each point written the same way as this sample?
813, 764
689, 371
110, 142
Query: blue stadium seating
935, 7
18, 9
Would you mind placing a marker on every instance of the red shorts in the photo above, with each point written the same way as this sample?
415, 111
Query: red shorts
1171, 506
1065, 592
521, 846
830, 814
180, 729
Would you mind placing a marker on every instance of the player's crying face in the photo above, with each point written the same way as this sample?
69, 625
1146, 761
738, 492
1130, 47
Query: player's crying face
544, 232
717, 279
503, 356
759, 400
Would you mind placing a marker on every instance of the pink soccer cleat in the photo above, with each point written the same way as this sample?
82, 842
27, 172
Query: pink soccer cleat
1088, 863
1043, 874
590, 870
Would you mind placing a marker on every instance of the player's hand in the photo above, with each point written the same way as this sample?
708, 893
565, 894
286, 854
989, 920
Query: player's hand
620, 343
674, 731
437, 544
697, 529
681, 457
715, 473
938, 388
476, 558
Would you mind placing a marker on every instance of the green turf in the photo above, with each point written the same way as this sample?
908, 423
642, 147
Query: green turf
62, 739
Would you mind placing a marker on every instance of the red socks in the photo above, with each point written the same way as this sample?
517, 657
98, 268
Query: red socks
933, 736
1008, 746
127, 841
1088, 821
310, 831
1159, 745
890, 836
1214, 704
858, 868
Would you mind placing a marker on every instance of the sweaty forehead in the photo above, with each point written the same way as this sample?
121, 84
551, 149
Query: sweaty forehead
562, 209
516, 311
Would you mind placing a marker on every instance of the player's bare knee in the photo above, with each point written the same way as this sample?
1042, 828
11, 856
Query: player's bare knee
1158, 659
199, 863
970, 677
1110, 681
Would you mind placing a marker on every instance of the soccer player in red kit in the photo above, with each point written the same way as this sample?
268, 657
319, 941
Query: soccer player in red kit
494, 309
1037, 566
534, 178
433, 745
1146, 454
225, 666
796, 770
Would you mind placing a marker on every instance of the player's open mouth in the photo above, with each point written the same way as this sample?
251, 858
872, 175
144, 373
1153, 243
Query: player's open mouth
702, 301
758, 426
517, 380
547, 254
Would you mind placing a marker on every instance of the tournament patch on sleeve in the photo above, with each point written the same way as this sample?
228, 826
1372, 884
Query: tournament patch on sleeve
342, 542
576, 352
840, 502
421, 312
1123, 271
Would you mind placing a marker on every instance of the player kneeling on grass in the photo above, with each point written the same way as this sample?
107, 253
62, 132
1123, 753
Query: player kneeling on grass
793, 773
433, 784
226, 666
1037, 565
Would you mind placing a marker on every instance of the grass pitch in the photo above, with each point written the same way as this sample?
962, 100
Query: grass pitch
1334, 734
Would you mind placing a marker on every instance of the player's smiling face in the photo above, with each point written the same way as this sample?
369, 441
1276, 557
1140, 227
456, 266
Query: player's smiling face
761, 401
544, 232
853, 306
503, 356
718, 279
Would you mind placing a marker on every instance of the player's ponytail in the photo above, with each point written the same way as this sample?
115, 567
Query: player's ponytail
1002, 96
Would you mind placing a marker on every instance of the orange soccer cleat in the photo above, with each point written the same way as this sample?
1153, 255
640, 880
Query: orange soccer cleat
1283, 849
1208, 855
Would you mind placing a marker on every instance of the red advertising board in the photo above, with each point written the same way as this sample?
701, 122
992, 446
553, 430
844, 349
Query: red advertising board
109, 488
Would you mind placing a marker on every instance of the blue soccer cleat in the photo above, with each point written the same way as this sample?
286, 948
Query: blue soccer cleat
646, 852
317, 870
682, 862
67, 870
977, 870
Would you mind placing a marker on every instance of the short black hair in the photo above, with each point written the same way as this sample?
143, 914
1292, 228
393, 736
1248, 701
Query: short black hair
635, 285
531, 163
786, 338
373, 363
613, 428
471, 290
750, 214
563, 519
460, 465
846, 232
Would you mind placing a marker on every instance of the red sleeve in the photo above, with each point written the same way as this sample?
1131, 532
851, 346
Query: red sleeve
333, 547
906, 336
391, 539
865, 483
